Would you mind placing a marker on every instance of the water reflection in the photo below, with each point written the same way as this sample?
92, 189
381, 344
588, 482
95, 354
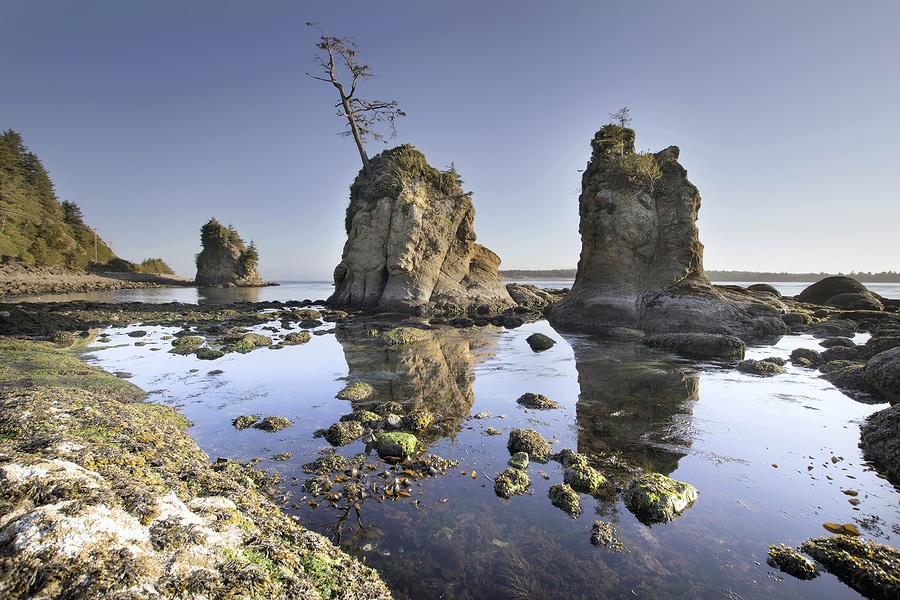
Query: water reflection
434, 374
214, 295
634, 401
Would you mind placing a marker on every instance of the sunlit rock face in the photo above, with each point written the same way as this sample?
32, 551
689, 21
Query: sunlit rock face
641, 262
225, 261
411, 243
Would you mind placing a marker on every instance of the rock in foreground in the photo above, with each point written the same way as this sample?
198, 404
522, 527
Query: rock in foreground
107, 497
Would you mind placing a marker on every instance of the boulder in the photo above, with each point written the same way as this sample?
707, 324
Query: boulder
880, 441
655, 498
224, 260
883, 374
396, 444
411, 243
530, 441
703, 345
641, 262
840, 288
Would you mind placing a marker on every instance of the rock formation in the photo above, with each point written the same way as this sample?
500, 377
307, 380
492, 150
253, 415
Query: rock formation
225, 261
641, 262
411, 243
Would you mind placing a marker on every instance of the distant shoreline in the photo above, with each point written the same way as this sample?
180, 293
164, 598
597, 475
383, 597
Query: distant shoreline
755, 276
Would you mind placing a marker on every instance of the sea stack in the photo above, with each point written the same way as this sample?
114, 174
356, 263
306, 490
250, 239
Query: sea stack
641, 262
225, 260
411, 244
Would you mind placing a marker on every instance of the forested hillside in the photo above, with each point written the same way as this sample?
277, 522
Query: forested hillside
38, 230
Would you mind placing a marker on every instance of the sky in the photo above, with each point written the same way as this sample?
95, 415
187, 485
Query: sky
155, 116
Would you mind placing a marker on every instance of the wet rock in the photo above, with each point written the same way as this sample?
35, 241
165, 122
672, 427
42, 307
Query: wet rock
540, 342
272, 423
396, 444
366, 417
531, 442
711, 345
519, 460
418, 420
765, 368
245, 421
789, 561
866, 566
343, 432
840, 353
850, 378
841, 292
655, 498
883, 374
880, 441
537, 401
295, 338
833, 327
837, 341
511, 482
356, 391
329, 462
563, 497
806, 357
248, 342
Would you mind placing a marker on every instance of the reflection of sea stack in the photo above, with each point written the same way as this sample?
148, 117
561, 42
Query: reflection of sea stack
641, 262
225, 261
411, 243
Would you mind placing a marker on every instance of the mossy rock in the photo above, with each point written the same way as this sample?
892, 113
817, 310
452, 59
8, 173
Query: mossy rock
540, 342
584, 479
866, 566
418, 420
789, 561
396, 444
519, 460
208, 353
404, 336
63, 339
344, 432
389, 408
272, 423
187, 344
563, 497
330, 462
245, 421
537, 401
249, 341
511, 482
295, 338
365, 417
655, 498
356, 391
764, 368
530, 441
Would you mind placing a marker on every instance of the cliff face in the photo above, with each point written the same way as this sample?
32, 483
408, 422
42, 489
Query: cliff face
411, 243
641, 262
225, 260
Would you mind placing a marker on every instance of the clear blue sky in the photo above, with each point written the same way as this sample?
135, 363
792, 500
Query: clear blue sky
154, 116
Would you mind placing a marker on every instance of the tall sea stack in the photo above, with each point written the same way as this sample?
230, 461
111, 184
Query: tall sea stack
411, 244
641, 262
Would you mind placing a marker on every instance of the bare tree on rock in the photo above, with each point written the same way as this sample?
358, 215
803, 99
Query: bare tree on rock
337, 57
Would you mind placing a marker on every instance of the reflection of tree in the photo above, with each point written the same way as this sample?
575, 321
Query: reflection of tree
633, 402
435, 373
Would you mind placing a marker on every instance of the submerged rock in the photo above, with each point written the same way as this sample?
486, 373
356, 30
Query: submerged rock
655, 498
411, 243
641, 262
791, 562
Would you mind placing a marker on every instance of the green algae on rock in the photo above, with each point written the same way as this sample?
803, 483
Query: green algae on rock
396, 444
510, 482
870, 568
356, 391
655, 498
82, 454
563, 497
530, 441
791, 562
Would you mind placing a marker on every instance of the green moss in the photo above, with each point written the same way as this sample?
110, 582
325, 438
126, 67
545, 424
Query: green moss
396, 444
511, 482
356, 391
403, 336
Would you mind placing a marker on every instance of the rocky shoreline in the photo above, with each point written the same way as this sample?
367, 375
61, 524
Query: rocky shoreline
21, 280
106, 496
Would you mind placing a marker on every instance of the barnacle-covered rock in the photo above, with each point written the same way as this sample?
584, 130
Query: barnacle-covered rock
530, 441
655, 498
511, 482
791, 562
563, 497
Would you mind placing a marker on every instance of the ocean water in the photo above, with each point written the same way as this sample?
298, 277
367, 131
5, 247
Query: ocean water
773, 458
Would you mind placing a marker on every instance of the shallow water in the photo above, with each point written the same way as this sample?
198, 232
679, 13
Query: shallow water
770, 457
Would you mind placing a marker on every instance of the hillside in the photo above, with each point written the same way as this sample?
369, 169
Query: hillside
38, 230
